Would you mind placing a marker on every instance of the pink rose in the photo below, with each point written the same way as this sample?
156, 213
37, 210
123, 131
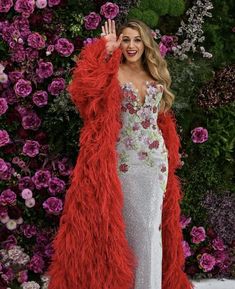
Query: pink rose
109, 10
207, 262
199, 135
218, 244
6, 5
92, 21
198, 234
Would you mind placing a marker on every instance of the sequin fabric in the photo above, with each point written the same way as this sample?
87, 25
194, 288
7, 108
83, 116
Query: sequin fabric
143, 172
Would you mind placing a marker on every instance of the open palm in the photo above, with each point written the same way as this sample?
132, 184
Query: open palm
109, 33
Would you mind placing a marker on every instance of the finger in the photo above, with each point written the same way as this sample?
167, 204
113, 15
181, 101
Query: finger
106, 27
110, 26
103, 30
120, 39
113, 27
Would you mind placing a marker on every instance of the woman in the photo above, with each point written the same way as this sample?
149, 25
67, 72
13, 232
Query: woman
110, 231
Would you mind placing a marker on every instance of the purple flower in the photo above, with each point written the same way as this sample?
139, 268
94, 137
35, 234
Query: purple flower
199, 135
7, 197
41, 179
22, 276
52, 3
186, 249
25, 183
4, 138
56, 185
198, 234
56, 86
218, 244
23, 87
15, 75
28, 230
184, 221
92, 21
31, 148
36, 40
40, 98
45, 69
6, 5
64, 47
6, 175
18, 53
25, 6
109, 10
36, 264
26, 194
207, 262
31, 121
53, 205
3, 105
3, 166
163, 49
31, 53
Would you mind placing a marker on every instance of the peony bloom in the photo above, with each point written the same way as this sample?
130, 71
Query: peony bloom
31, 121
26, 194
92, 21
64, 47
41, 4
6, 174
218, 244
184, 221
7, 197
36, 40
28, 230
31, 148
199, 135
4, 138
41, 179
22, 276
109, 10
207, 262
45, 69
56, 86
23, 87
198, 234
25, 6
163, 49
56, 185
25, 183
3, 166
52, 3
3, 105
30, 203
186, 249
53, 205
40, 98
14, 76
5, 5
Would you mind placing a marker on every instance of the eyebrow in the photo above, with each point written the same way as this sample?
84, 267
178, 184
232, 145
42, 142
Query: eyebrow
129, 37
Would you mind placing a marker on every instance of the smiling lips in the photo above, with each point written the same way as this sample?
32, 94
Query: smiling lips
131, 52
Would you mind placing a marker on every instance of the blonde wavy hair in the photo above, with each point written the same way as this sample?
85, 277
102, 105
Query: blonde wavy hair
153, 62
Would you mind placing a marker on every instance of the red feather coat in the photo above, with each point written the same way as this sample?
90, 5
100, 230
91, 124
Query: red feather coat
91, 250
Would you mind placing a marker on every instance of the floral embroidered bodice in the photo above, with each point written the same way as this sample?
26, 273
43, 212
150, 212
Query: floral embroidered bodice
140, 138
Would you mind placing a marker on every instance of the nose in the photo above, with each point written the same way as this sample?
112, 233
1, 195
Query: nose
131, 43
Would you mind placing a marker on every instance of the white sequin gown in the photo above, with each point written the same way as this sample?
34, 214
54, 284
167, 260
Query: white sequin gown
143, 172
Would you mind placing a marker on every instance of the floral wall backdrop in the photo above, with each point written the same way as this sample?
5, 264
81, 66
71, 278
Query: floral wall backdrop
39, 43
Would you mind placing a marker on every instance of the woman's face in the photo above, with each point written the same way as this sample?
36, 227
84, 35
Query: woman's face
132, 45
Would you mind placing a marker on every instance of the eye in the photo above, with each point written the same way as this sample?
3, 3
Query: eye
125, 40
138, 40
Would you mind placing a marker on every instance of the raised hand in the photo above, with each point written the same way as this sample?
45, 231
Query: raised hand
109, 33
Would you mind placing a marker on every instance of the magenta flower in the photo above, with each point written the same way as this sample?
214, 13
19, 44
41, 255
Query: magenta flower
31, 54
26, 194
40, 98
186, 249
198, 234
31, 148
184, 221
3, 166
7, 197
92, 21
53, 205
57, 85
3, 105
25, 183
207, 262
37, 264
64, 47
18, 54
199, 135
22, 276
31, 121
28, 230
56, 185
45, 69
109, 10
218, 244
163, 49
6, 175
4, 138
36, 40
41, 179
14, 76
25, 6
52, 3
23, 87
6, 5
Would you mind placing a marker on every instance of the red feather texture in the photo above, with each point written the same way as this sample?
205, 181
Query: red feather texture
91, 250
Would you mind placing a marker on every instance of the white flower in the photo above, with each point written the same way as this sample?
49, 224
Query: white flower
11, 225
30, 285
